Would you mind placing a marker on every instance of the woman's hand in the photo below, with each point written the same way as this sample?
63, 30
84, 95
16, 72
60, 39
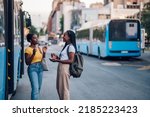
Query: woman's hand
34, 51
54, 58
44, 49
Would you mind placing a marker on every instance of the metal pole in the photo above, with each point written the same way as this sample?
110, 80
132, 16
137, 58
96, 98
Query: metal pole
10, 45
22, 42
6, 44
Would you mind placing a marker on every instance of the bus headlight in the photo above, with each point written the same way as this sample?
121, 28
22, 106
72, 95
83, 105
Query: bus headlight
110, 44
138, 44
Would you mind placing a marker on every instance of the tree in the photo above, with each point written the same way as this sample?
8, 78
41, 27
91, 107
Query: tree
41, 31
146, 20
62, 24
33, 30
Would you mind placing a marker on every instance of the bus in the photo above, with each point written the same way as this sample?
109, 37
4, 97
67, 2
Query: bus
110, 38
11, 46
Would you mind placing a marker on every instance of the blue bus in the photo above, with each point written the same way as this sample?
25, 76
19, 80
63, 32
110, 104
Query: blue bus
11, 46
110, 38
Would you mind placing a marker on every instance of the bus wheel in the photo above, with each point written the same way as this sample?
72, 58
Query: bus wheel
87, 51
99, 53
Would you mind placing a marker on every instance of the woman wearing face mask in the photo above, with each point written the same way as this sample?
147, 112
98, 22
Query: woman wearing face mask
33, 58
65, 59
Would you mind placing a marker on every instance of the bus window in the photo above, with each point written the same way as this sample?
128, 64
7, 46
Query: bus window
117, 31
84, 34
96, 34
2, 40
99, 34
124, 30
102, 33
131, 30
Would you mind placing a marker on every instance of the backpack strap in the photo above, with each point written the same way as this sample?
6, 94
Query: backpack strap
61, 51
68, 51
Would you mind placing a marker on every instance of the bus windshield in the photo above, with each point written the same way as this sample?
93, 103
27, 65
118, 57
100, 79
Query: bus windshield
124, 30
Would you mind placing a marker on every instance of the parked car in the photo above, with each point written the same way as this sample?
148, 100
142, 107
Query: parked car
42, 43
54, 41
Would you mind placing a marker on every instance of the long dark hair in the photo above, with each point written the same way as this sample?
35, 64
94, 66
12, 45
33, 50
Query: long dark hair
72, 37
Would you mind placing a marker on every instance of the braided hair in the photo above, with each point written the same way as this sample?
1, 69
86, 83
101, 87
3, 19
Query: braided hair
72, 37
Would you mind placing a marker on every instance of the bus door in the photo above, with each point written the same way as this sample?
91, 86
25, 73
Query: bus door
2, 52
91, 40
143, 39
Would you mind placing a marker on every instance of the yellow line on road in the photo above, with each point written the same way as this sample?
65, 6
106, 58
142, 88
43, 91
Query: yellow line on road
144, 68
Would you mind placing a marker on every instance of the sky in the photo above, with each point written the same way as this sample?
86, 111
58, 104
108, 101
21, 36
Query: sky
40, 9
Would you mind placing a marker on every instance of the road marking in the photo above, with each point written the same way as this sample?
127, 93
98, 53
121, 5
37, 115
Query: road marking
144, 68
111, 64
133, 65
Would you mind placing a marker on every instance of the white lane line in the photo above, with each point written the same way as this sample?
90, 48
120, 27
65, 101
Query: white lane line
111, 64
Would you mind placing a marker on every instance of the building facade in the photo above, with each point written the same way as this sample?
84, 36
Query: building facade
64, 9
124, 8
97, 5
75, 14
126, 3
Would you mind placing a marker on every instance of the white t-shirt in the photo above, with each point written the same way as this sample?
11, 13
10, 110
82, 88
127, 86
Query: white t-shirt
64, 54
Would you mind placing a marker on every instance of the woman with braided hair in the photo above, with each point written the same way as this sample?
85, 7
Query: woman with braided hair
64, 60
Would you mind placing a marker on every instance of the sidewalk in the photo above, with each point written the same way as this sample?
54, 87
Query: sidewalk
48, 90
146, 55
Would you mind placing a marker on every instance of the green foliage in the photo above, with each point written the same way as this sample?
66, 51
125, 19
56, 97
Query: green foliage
41, 32
146, 19
83, 34
62, 24
98, 33
46, 31
33, 30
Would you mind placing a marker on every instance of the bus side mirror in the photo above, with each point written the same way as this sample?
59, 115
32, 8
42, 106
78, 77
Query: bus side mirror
28, 22
27, 19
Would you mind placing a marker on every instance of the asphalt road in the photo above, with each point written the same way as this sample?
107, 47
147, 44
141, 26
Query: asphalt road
107, 79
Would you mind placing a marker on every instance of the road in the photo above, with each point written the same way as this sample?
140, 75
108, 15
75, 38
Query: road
106, 79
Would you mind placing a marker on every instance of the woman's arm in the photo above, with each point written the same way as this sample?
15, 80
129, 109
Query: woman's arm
69, 61
44, 49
